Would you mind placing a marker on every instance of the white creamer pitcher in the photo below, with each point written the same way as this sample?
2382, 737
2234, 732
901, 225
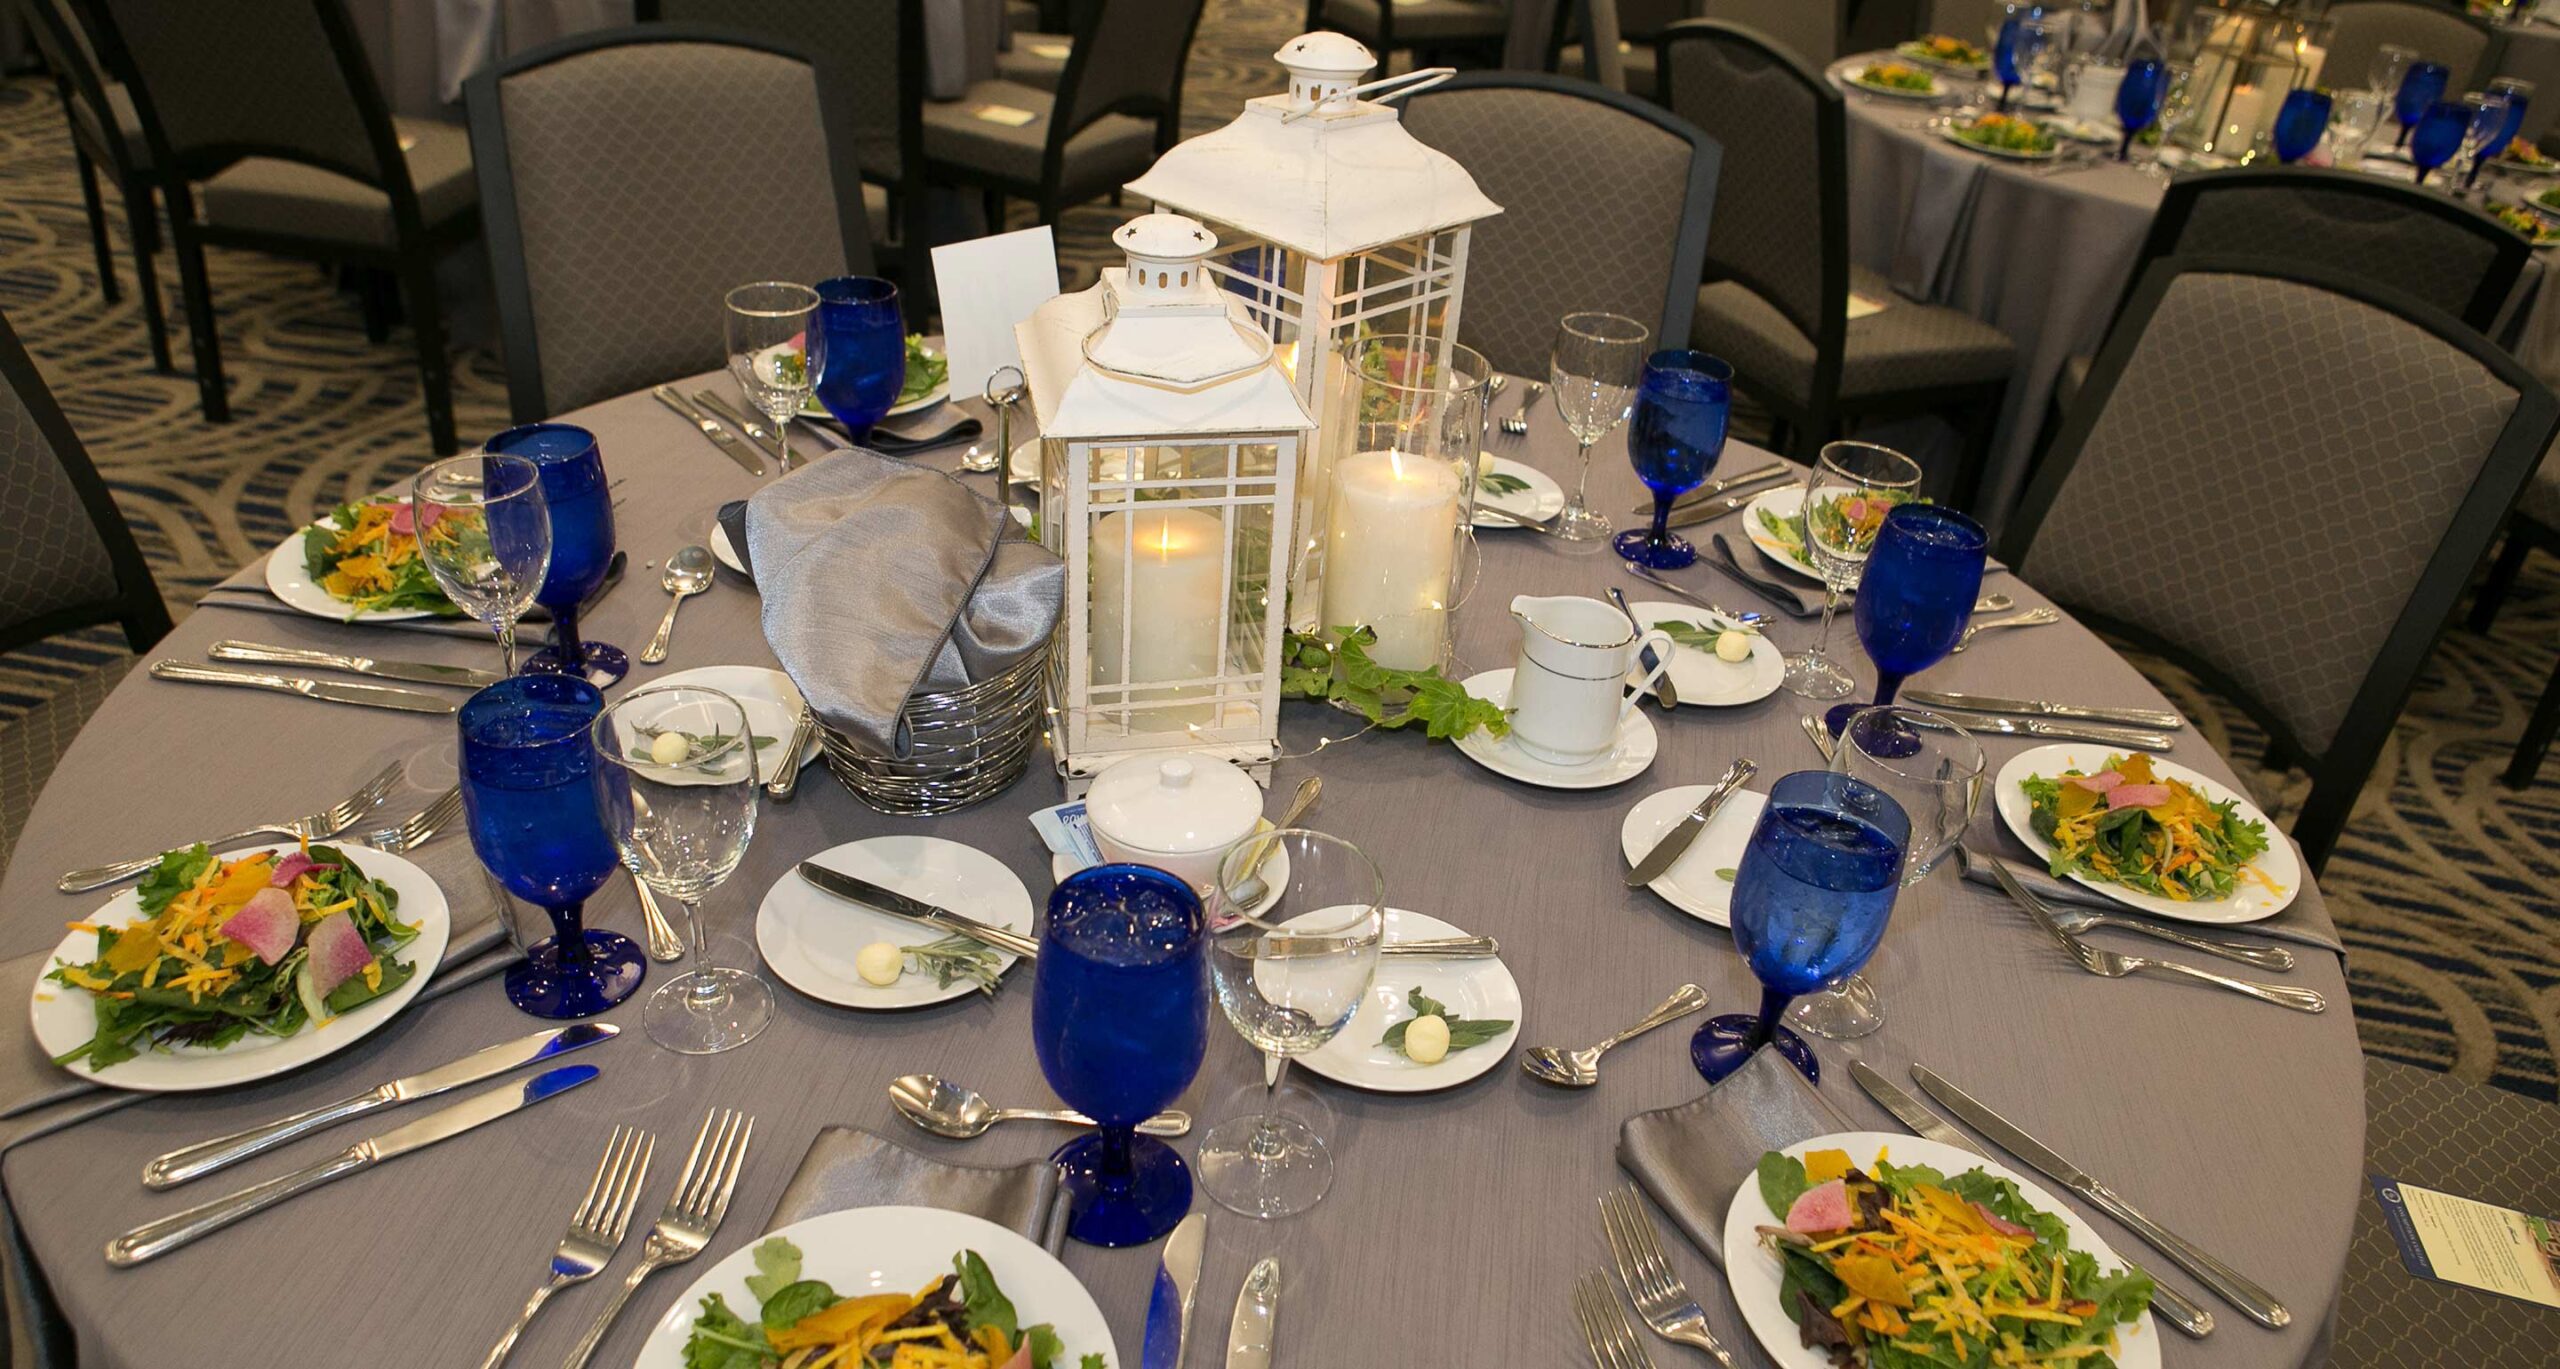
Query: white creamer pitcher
1569, 693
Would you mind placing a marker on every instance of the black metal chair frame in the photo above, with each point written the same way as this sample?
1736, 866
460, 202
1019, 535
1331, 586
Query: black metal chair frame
410, 259
1804, 428
504, 227
2525, 535
77, 84
1487, 49
136, 605
2338, 773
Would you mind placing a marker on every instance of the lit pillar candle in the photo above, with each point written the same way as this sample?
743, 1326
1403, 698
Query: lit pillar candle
1158, 575
2243, 121
1389, 543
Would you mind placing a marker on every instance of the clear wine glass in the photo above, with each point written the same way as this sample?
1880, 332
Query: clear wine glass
1593, 372
677, 788
484, 531
773, 351
2353, 117
1852, 487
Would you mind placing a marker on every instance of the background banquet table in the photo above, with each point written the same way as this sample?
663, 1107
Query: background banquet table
1458, 1219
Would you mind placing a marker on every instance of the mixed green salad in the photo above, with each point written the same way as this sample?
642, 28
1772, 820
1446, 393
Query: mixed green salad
2004, 133
366, 556
2535, 229
926, 372
1897, 76
1945, 51
959, 1321
1846, 521
2125, 825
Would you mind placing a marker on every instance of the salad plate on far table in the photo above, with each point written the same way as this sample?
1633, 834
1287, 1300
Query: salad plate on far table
1465, 991
1700, 882
1945, 52
2005, 136
1895, 80
390, 583
811, 939
2259, 886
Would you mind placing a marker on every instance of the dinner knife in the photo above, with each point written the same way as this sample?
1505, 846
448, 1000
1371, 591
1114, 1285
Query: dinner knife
722, 438
415, 672
756, 433
2058, 731
1675, 843
1713, 488
154, 1239
222, 1152
369, 696
2181, 1311
1169, 1305
1249, 1335
890, 901
1708, 511
2038, 708
2227, 1283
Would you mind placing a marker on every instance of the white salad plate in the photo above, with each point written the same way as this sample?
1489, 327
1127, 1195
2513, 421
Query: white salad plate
771, 701
1783, 502
2006, 154
1846, 75
1913, 52
868, 1250
1692, 884
64, 1016
1629, 757
1702, 677
1542, 500
810, 939
2248, 902
1475, 989
815, 410
1753, 1269
289, 579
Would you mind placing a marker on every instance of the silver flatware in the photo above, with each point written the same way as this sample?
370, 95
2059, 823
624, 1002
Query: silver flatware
153, 1239
2058, 731
1709, 510
328, 691
756, 432
1251, 1332
1168, 1328
2181, 1311
1712, 488
1605, 1329
2115, 965
786, 781
1517, 520
2226, 1283
222, 1152
1675, 842
1580, 1069
414, 672
688, 573
664, 946
1752, 620
962, 1113
1659, 1294
1518, 424
328, 822
2076, 920
871, 895
727, 441
691, 1216
419, 827
1997, 601
1820, 736
1248, 891
1444, 948
1665, 693
2039, 708
595, 1229
2034, 617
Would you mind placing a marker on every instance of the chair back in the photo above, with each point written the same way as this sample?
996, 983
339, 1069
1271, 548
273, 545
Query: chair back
627, 183
2437, 35
2282, 476
73, 60
69, 561
1811, 29
1128, 58
1605, 202
1971, 20
858, 45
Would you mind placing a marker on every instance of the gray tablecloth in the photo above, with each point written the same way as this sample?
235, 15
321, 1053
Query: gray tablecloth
1457, 1220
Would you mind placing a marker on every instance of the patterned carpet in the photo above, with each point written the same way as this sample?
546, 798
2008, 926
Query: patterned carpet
2443, 883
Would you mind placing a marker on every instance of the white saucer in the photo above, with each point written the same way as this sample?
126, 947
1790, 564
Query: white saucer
772, 703
1470, 988
1704, 678
809, 939
1544, 498
1692, 884
1631, 756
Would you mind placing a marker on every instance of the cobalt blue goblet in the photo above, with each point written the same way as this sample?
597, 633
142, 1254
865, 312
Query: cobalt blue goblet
865, 363
1916, 597
1675, 435
2014, 52
2423, 85
2138, 100
2439, 135
1120, 1019
528, 793
1810, 900
2300, 122
2495, 122
581, 507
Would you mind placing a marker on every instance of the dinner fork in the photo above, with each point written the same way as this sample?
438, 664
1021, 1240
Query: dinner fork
2078, 920
1604, 1327
326, 823
421, 826
692, 1214
2116, 965
1652, 1284
1518, 424
595, 1229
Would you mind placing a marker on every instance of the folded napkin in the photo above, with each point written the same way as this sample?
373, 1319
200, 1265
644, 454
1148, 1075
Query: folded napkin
882, 580
847, 1167
939, 426
1692, 1157
2296, 923
732, 518
1743, 564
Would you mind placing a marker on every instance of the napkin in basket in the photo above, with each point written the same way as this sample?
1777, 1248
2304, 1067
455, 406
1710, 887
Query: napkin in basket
1692, 1157
847, 1167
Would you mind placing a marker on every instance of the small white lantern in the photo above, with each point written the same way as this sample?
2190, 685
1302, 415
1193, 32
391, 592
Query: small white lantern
1338, 225
1170, 442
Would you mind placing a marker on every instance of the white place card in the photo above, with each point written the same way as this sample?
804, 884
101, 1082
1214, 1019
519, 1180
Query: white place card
988, 285
1860, 306
1006, 115
1049, 52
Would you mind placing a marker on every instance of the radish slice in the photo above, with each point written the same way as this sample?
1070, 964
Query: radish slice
268, 924
2137, 796
294, 865
338, 953
2098, 783
1999, 1223
1823, 1207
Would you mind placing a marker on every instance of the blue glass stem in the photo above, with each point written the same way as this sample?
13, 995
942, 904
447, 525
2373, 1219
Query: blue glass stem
2006, 90
569, 933
2125, 152
1661, 519
564, 637
1773, 1010
1887, 682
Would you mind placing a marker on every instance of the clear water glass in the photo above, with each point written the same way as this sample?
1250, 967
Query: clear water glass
484, 531
2353, 116
1593, 371
2390, 62
774, 351
1858, 481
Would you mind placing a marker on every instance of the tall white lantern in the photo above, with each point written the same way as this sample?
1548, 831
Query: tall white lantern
1337, 225
1170, 445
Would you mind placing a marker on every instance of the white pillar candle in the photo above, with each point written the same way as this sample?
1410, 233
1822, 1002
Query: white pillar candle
2243, 120
1158, 576
1390, 537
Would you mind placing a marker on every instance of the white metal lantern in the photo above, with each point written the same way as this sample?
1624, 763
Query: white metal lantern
1170, 442
1337, 225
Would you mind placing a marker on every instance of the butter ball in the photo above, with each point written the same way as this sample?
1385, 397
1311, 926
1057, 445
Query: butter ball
1426, 1040
880, 963
1732, 645
669, 748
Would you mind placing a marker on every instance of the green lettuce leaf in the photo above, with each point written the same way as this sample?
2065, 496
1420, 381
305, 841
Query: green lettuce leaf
1781, 1181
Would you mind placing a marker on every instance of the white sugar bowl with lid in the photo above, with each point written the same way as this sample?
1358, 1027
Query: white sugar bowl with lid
1177, 813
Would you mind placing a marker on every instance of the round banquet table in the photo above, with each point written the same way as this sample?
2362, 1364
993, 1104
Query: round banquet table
1458, 1219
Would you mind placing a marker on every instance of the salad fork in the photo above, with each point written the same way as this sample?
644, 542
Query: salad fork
1604, 1327
320, 826
692, 1214
421, 826
2078, 920
595, 1229
2116, 965
1652, 1284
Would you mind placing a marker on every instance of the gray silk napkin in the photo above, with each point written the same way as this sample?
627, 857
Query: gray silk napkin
2295, 923
1743, 563
847, 1167
882, 580
1692, 1157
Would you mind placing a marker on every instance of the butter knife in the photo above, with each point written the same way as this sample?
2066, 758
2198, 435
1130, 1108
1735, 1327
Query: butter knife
890, 901
369, 696
1249, 1335
2059, 731
154, 1239
1713, 488
415, 672
2181, 1311
222, 1152
1169, 1304
2227, 1283
756, 432
722, 438
2038, 708
1675, 843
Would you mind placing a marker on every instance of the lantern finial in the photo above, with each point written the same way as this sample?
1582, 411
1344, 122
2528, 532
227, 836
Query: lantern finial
1323, 67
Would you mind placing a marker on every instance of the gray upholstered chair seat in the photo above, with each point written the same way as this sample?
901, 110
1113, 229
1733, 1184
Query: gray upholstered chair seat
268, 195
1906, 347
1113, 149
1025, 65
875, 209
1431, 21
32, 745
1637, 60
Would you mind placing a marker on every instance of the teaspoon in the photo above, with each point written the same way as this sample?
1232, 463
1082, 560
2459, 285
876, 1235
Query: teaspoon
1581, 1069
688, 573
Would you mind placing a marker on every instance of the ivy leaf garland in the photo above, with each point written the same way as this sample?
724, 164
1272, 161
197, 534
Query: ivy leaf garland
1335, 667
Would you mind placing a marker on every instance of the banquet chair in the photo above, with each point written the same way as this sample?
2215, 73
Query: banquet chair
2534, 526
629, 182
2193, 504
1780, 282
1038, 58
1605, 202
2359, 27
268, 132
1117, 108
106, 135
1436, 32
1811, 29
1975, 21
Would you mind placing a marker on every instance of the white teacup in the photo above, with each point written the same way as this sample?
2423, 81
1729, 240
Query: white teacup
2089, 91
1569, 694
